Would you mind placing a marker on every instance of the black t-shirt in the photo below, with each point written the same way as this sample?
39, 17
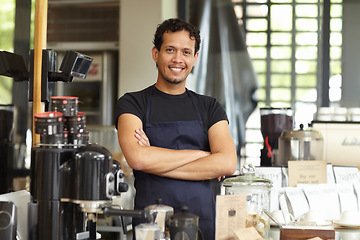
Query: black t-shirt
166, 107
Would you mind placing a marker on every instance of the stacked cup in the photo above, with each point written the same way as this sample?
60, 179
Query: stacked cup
74, 121
63, 124
50, 126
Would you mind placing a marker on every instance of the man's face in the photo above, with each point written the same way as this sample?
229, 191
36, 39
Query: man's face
176, 57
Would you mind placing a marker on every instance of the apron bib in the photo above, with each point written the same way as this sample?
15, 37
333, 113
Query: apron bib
197, 195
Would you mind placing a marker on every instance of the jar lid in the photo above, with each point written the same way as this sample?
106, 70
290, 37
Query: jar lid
248, 178
159, 207
301, 134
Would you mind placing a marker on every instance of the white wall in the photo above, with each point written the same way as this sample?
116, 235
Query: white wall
138, 22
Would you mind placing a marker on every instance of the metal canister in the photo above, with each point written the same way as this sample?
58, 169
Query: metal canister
160, 214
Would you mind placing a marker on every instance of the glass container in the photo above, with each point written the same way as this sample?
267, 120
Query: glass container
300, 145
257, 191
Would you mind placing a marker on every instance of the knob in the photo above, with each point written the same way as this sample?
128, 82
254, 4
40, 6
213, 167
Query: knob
123, 187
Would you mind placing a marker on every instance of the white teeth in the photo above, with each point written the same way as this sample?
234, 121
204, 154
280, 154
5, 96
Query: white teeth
176, 69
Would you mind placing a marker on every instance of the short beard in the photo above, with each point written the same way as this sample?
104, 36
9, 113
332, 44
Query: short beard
174, 82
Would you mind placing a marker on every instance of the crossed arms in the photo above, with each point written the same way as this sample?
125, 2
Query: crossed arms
179, 164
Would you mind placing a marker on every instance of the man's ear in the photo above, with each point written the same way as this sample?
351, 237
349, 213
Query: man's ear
196, 57
155, 54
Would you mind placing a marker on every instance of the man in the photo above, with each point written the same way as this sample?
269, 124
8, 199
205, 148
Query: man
175, 140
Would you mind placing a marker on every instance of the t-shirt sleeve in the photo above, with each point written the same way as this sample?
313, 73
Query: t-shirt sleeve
132, 103
213, 110
216, 113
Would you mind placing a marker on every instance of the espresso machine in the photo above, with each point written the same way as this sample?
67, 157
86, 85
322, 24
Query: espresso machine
273, 122
72, 181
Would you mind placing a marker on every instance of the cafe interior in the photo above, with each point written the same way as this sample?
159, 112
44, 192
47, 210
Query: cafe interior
286, 72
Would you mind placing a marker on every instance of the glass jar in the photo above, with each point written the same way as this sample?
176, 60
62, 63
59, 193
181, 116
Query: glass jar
257, 191
300, 145
184, 226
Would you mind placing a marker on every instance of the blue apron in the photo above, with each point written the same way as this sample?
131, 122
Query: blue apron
197, 195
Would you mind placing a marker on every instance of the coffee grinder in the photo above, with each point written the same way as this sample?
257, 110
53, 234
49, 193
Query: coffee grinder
273, 122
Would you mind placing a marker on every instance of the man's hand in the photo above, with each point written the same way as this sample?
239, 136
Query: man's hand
142, 138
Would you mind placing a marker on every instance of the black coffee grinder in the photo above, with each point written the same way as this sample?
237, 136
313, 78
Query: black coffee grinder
273, 122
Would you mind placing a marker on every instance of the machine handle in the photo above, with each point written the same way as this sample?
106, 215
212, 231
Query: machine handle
127, 213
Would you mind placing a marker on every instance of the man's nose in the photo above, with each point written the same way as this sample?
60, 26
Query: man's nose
177, 57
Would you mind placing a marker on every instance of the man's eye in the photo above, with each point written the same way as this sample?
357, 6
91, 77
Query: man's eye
187, 52
169, 50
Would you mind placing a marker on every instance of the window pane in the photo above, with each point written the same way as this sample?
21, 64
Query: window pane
257, 52
259, 66
257, 11
238, 11
256, 1
335, 81
306, 80
280, 80
335, 94
306, 1
307, 38
261, 79
253, 135
305, 66
335, 52
306, 53
335, 67
335, 39
281, 1
281, 66
256, 39
304, 113
280, 52
7, 26
306, 95
306, 25
256, 24
261, 94
336, 24
261, 104
280, 94
335, 10
306, 10
6, 90
281, 17
280, 38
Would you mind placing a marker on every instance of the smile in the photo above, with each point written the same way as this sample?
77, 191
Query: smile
176, 69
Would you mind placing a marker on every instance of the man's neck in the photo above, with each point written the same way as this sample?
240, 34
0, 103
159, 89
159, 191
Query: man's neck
171, 88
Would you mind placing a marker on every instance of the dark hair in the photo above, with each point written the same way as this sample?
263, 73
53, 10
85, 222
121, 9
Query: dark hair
174, 25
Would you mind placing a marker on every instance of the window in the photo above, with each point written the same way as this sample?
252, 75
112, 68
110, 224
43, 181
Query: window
7, 30
7, 18
284, 43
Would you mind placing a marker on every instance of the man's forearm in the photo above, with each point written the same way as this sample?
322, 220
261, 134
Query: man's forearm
212, 166
157, 160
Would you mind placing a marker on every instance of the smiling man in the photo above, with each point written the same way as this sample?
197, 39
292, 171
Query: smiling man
175, 140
